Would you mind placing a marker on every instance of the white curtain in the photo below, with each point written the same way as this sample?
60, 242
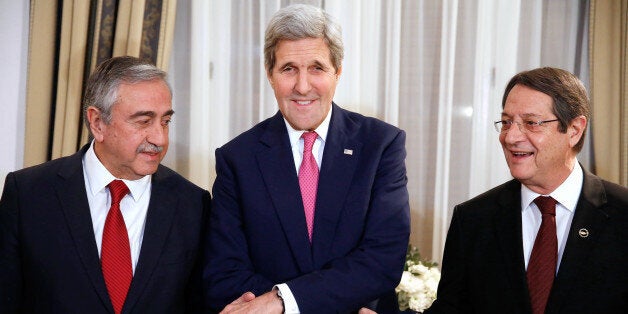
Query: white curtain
434, 68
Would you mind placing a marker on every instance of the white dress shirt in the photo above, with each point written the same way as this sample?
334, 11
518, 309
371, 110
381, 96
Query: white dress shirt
296, 142
567, 195
133, 206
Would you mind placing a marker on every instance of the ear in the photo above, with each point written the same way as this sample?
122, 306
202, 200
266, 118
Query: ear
338, 72
269, 76
270, 81
96, 123
576, 129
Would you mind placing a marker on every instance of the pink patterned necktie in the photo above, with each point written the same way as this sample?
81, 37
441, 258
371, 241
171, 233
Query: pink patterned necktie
542, 265
116, 253
308, 180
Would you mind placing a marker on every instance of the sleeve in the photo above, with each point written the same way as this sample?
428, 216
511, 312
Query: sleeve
451, 292
375, 265
229, 274
194, 296
289, 303
10, 270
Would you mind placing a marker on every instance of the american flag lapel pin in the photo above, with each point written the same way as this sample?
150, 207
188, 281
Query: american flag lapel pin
348, 151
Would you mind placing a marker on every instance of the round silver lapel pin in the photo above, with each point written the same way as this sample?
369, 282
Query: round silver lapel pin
583, 233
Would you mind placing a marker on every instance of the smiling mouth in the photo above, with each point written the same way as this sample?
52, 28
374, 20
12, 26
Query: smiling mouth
522, 154
304, 102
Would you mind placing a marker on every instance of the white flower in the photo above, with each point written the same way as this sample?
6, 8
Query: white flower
419, 269
418, 285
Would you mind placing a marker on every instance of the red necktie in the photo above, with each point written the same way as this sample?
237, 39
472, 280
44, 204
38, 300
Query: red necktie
308, 180
116, 253
542, 266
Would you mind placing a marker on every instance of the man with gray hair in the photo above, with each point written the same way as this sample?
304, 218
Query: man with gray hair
310, 210
108, 229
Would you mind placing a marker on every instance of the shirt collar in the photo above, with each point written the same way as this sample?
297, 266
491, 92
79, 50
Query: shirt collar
99, 177
321, 130
566, 194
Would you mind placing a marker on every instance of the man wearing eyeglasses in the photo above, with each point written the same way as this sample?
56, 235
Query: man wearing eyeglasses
554, 239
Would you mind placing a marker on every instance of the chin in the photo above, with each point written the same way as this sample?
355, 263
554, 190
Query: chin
519, 174
146, 171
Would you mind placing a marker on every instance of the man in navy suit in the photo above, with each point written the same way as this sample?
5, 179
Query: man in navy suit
264, 254
53, 216
490, 258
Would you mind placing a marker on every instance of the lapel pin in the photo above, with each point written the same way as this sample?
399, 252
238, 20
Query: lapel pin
348, 151
583, 233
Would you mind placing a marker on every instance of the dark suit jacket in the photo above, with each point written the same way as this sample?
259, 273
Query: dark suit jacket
49, 261
258, 234
483, 265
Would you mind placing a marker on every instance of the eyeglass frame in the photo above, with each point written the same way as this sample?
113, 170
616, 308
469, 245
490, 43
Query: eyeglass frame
500, 129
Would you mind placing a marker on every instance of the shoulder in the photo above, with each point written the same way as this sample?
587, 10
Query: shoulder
506, 193
174, 180
371, 125
50, 169
375, 136
496, 193
598, 191
615, 198
616, 194
272, 128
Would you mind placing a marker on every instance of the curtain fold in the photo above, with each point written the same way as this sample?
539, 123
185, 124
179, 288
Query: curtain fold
40, 85
609, 88
71, 63
89, 32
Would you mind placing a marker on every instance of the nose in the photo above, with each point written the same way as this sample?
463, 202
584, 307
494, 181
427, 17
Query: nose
158, 134
302, 85
513, 134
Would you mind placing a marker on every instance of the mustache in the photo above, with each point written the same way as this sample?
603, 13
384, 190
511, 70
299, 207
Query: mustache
149, 148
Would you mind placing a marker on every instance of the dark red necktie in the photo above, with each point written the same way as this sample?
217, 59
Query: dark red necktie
115, 256
542, 265
308, 180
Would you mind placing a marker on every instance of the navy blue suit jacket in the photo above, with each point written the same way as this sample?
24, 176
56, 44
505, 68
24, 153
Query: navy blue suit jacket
258, 234
483, 268
49, 261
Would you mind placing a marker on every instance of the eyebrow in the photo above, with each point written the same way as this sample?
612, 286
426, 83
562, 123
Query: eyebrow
291, 63
523, 116
151, 114
318, 63
281, 66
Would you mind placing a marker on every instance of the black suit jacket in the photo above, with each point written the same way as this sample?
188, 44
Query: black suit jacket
483, 265
49, 261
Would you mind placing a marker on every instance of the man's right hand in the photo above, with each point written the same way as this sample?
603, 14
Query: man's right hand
246, 297
268, 302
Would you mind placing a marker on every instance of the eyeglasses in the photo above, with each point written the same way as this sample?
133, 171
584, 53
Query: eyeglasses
528, 126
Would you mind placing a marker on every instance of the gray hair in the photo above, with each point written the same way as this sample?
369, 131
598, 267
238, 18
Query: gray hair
101, 90
301, 21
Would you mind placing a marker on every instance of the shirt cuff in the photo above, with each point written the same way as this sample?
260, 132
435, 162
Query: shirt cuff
289, 303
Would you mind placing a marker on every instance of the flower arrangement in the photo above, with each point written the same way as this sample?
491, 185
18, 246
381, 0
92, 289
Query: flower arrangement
417, 289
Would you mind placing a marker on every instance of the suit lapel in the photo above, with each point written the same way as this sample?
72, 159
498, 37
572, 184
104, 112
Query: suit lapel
508, 228
335, 179
275, 162
161, 209
591, 217
73, 198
